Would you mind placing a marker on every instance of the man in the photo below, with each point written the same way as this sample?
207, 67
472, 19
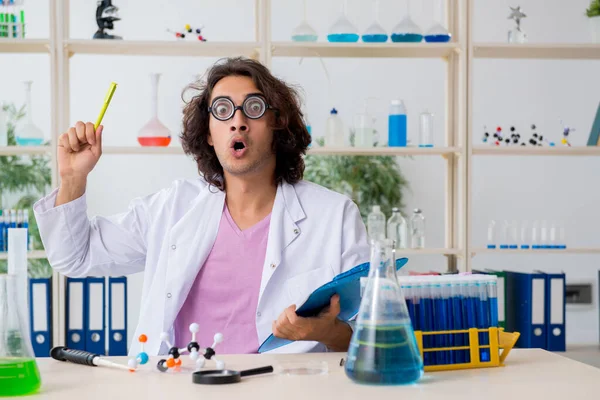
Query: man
235, 250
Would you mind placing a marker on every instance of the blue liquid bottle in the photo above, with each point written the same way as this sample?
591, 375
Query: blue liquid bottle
383, 349
397, 123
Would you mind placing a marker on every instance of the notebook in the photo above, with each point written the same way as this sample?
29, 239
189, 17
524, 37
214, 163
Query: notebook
346, 284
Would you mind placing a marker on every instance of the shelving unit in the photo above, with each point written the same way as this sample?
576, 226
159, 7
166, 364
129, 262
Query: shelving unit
458, 149
25, 46
37, 254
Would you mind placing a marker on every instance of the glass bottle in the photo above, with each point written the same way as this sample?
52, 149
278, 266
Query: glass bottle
407, 31
417, 225
397, 229
383, 349
154, 133
335, 135
19, 374
375, 32
28, 134
343, 30
304, 32
376, 223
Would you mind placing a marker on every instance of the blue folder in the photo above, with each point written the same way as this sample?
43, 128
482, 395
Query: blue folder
346, 284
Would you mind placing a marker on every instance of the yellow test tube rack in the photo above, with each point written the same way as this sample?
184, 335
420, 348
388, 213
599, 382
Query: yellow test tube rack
501, 343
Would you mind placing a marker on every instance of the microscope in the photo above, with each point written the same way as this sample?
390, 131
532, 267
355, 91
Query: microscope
106, 14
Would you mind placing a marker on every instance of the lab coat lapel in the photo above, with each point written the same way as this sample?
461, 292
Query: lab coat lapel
287, 211
190, 242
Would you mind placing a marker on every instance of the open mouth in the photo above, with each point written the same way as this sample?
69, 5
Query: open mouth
238, 146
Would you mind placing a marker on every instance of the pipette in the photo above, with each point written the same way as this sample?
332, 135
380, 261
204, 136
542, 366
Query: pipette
62, 353
107, 99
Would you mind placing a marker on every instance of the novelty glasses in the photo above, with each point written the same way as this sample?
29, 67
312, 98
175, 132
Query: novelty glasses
253, 107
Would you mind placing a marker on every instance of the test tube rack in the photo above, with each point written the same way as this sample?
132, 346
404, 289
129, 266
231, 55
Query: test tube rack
501, 343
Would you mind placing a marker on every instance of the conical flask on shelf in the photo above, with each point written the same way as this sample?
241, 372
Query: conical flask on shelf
19, 373
383, 349
154, 133
343, 30
27, 133
438, 33
304, 32
407, 31
375, 33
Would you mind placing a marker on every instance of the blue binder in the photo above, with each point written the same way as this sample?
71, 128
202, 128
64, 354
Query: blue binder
346, 284
95, 321
40, 315
526, 308
75, 313
117, 316
556, 312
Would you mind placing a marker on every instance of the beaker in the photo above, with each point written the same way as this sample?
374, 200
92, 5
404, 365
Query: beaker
407, 30
343, 30
375, 32
154, 132
304, 32
383, 348
19, 374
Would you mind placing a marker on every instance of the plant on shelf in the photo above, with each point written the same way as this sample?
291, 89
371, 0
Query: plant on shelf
594, 10
368, 180
24, 174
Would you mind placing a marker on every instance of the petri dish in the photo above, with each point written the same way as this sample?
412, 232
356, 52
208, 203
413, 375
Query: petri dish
302, 368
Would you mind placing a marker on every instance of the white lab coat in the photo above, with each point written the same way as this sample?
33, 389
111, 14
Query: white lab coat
314, 234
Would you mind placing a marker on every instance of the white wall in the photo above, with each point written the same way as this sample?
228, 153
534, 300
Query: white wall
505, 92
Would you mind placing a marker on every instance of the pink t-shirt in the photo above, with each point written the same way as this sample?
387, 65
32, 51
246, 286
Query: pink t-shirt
224, 296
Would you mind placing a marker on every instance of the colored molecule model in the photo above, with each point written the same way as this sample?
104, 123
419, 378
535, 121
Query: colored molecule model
536, 138
189, 32
195, 352
142, 358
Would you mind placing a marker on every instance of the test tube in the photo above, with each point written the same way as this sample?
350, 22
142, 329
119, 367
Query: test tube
457, 318
544, 239
491, 235
483, 317
426, 129
447, 300
561, 236
535, 235
439, 320
504, 234
525, 235
513, 235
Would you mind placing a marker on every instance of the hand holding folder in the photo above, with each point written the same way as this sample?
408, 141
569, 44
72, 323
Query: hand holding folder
346, 285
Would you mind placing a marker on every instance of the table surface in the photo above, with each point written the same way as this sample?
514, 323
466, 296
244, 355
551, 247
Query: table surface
534, 374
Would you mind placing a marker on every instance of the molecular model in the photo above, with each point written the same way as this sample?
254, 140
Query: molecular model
142, 358
189, 31
195, 352
566, 132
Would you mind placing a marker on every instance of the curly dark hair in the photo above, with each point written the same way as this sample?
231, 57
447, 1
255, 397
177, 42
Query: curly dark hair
290, 136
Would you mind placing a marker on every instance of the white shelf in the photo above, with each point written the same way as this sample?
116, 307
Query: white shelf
590, 250
348, 151
384, 151
161, 48
23, 150
537, 151
36, 254
326, 49
24, 46
142, 150
414, 252
540, 51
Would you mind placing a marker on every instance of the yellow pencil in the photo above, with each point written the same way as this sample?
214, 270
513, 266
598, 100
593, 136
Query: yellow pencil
107, 99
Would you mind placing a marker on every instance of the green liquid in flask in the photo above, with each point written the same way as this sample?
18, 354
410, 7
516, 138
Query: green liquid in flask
385, 355
18, 376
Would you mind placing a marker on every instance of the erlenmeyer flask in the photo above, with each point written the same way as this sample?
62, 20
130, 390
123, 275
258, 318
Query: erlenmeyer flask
437, 33
383, 349
407, 30
28, 134
154, 133
19, 374
375, 32
343, 30
304, 32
